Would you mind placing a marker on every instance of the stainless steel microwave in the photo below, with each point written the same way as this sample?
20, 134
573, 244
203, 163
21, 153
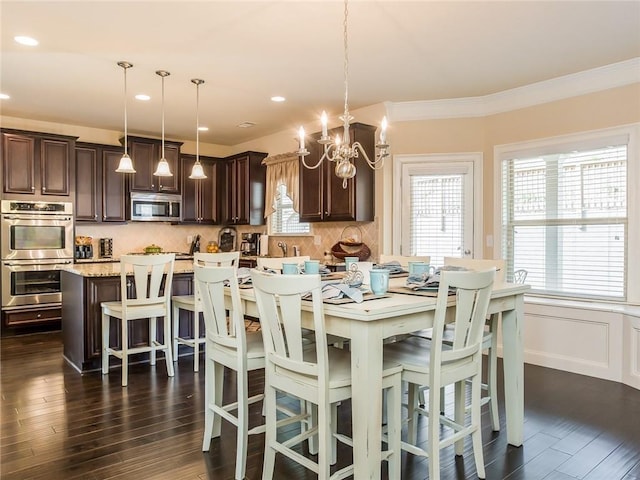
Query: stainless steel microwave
156, 207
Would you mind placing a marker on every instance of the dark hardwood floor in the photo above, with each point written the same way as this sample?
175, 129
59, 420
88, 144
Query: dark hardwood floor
58, 424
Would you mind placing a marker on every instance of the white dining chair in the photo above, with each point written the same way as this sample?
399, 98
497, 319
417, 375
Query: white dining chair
228, 345
151, 300
275, 263
320, 374
191, 303
489, 339
404, 260
434, 364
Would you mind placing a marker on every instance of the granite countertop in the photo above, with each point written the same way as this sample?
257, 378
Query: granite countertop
112, 269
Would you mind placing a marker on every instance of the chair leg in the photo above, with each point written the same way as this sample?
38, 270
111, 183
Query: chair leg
125, 351
208, 411
476, 436
324, 441
433, 442
412, 413
175, 318
311, 409
196, 340
243, 423
270, 434
460, 410
218, 382
153, 337
167, 345
106, 320
394, 429
492, 375
334, 428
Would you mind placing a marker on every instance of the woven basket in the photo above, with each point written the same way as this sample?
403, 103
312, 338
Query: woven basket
355, 249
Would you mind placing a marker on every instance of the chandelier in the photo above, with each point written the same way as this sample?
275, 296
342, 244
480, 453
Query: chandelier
340, 150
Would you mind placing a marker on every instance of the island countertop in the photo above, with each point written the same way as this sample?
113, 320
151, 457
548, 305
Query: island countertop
113, 269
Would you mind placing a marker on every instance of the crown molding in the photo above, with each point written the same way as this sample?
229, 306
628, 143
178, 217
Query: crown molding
576, 84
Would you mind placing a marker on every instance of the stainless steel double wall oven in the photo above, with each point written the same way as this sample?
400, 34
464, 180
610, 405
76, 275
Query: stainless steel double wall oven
36, 240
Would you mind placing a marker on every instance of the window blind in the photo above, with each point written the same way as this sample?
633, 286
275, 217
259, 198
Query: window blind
565, 220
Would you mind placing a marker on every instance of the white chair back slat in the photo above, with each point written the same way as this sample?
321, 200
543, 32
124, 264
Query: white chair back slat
479, 264
473, 293
211, 281
220, 259
279, 301
404, 260
275, 263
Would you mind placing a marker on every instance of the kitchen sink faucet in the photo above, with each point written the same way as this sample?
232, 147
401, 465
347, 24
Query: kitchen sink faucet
283, 246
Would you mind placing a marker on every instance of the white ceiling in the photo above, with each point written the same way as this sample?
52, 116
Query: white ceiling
247, 51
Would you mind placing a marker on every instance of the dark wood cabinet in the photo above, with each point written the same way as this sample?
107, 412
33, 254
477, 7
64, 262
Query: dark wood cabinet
145, 154
200, 198
37, 164
82, 317
28, 318
101, 194
244, 182
322, 196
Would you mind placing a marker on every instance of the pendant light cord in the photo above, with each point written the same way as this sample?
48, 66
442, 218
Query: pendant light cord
162, 157
346, 62
197, 122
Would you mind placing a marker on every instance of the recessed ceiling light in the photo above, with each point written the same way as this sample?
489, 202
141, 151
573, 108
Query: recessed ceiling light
22, 40
246, 124
143, 97
203, 129
4, 96
278, 98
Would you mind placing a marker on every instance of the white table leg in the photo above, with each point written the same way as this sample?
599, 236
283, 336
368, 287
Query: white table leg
513, 363
366, 372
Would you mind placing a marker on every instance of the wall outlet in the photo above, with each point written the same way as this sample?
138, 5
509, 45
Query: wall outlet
316, 240
189, 239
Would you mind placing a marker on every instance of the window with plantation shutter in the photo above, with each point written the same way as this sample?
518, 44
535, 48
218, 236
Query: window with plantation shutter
565, 217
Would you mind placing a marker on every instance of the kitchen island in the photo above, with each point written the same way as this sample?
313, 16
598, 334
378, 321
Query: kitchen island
84, 287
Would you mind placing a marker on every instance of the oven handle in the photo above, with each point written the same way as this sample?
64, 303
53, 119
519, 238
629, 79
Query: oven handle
37, 217
14, 264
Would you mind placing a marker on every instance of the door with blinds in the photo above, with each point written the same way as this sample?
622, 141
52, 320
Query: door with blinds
437, 210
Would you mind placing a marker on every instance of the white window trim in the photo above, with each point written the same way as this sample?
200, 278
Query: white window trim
632, 132
434, 159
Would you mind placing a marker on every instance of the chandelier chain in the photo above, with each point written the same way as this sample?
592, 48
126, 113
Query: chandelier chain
346, 60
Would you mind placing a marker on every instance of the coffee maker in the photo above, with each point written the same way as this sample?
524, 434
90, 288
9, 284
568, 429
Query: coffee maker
250, 244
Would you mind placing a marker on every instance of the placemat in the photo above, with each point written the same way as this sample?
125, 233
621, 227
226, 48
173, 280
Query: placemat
365, 297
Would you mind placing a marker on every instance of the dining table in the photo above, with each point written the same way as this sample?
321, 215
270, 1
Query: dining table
369, 323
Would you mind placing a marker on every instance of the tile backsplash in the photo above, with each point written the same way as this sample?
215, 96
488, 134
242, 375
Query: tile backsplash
134, 236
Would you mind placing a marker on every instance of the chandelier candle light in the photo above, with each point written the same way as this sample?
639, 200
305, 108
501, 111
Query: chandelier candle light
342, 151
163, 166
197, 173
125, 165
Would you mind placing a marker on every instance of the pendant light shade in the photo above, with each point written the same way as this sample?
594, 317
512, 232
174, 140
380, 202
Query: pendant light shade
197, 173
163, 169
125, 165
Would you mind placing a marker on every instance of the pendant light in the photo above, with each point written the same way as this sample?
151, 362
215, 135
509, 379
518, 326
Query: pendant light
125, 165
197, 173
163, 166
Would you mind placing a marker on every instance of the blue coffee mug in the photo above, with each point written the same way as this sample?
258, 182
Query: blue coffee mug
379, 280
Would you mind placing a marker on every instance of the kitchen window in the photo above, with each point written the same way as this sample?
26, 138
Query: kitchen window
565, 215
285, 220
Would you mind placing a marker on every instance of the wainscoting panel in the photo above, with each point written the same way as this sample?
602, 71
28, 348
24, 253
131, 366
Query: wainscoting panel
587, 341
631, 358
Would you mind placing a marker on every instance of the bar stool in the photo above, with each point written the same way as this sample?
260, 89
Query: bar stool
191, 303
150, 301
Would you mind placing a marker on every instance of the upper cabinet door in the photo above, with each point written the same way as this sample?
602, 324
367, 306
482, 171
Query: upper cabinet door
55, 162
322, 196
145, 154
19, 162
87, 183
37, 164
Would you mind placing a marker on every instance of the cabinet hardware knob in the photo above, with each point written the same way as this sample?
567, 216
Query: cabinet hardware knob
33, 188
95, 216
129, 284
44, 189
152, 185
39, 315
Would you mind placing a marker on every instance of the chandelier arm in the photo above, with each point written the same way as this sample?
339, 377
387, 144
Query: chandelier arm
311, 167
376, 164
